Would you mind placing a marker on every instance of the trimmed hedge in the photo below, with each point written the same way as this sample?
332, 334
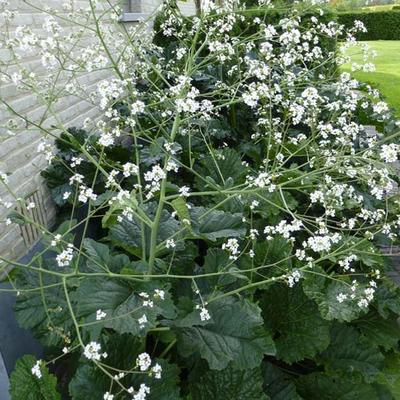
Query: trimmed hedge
381, 25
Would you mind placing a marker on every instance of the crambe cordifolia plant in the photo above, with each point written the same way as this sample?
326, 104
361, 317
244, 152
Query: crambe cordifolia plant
222, 215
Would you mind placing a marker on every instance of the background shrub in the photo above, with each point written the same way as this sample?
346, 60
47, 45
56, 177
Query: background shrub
381, 25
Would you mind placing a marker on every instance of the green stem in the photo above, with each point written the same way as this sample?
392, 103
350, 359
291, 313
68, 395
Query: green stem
160, 207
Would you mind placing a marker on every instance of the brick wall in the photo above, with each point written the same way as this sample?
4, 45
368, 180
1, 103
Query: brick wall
18, 154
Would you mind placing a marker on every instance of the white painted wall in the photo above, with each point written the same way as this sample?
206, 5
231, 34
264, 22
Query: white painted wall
18, 155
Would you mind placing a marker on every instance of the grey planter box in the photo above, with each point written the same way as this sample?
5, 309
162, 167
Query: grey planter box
14, 341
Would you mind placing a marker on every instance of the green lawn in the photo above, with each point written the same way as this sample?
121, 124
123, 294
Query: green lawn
387, 75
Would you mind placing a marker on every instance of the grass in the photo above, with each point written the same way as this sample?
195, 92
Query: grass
386, 7
386, 78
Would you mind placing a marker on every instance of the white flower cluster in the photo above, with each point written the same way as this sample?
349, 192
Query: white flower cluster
346, 262
143, 362
284, 228
86, 194
319, 243
362, 295
389, 152
154, 177
100, 314
36, 370
293, 278
64, 259
130, 169
232, 246
92, 351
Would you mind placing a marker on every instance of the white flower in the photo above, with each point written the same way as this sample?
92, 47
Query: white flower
76, 161
92, 351
184, 191
293, 278
130, 169
389, 152
170, 243
36, 371
56, 240
341, 297
158, 293
106, 139
204, 314
3, 177
156, 370
78, 178
100, 314
137, 107
143, 361
142, 321
108, 396
64, 259
232, 245
85, 194
142, 393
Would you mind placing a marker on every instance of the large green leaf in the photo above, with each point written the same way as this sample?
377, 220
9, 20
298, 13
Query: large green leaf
43, 312
26, 386
216, 224
348, 356
234, 334
218, 261
377, 331
99, 258
387, 298
166, 388
90, 382
295, 321
229, 384
275, 255
390, 375
324, 291
227, 165
323, 387
278, 385
127, 234
121, 302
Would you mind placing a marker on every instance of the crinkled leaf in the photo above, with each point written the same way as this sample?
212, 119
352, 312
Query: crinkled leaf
90, 382
30, 308
348, 356
325, 291
323, 387
390, 375
377, 331
216, 224
277, 384
295, 321
234, 334
216, 261
274, 254
229, 384
121, 302
387, 298
99, 258
166, 388
127, 234
26, 386
228, 164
